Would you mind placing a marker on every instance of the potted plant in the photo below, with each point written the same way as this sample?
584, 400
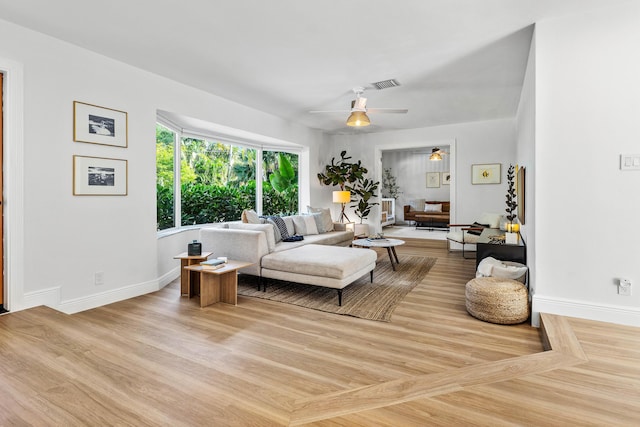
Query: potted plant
365, 189
344, 174
390, 187
511, 236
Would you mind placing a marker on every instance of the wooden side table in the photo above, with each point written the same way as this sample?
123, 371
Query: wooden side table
187, 282
218, 285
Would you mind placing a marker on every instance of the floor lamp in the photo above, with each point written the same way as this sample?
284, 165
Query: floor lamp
342, 197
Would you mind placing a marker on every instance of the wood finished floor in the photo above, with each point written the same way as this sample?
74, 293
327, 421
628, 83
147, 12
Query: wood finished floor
162, 360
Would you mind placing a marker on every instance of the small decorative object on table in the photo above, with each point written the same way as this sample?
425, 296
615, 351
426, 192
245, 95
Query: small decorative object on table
194, 248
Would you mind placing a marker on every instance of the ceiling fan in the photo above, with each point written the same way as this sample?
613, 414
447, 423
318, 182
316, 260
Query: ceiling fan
359, 110
436, 154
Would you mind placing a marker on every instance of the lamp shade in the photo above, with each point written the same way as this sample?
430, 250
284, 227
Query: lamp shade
435, 157
341, 196
358, 118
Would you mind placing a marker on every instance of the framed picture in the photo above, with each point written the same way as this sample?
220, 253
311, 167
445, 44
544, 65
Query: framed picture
99, 125
446, 178
520, 188
486, 174
433, 179
98, 176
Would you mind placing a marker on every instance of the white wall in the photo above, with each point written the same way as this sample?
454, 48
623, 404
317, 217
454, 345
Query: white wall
587, 209
477, 142
525, 157
68, 238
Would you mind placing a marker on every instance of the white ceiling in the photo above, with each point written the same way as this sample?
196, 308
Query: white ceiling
456, 60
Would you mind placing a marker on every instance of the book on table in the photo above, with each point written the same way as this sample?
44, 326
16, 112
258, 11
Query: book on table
212, 264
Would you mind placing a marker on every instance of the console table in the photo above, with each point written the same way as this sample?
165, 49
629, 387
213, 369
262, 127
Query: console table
491, 244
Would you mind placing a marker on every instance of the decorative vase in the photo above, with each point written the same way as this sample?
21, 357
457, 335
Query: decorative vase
511, 238
194, 248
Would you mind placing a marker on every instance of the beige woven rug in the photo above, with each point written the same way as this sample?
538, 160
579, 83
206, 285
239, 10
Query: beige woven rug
373, 301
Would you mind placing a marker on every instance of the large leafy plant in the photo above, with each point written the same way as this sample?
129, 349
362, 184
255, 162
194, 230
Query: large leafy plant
352, 177
342, 172
365, 190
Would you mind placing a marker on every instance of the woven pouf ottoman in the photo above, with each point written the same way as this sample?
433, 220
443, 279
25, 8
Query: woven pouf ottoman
497, 300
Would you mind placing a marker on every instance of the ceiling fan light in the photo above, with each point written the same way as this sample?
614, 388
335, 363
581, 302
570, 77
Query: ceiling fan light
358, 119
435, 157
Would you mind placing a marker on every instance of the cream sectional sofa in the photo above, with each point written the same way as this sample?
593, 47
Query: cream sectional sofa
323, 259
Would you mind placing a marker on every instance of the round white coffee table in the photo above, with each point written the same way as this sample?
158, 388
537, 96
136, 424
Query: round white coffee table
389, 244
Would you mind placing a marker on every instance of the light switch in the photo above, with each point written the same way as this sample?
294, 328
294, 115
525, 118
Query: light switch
630, 161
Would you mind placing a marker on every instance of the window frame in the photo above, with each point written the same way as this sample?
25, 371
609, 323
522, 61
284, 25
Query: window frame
259, 146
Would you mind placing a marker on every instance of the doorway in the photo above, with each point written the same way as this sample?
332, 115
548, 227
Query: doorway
411, 164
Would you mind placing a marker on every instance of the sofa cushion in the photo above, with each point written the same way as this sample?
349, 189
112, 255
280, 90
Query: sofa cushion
326, 217
320, 260
266, 228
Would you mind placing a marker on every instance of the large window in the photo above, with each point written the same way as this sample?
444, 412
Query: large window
218, 180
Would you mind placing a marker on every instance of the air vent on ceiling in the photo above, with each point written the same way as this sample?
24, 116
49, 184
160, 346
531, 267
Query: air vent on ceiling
385, 84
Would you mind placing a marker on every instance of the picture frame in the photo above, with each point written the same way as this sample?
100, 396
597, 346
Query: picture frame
100, 176
433, 179
99, 125
487, 173
520, 193
446, 178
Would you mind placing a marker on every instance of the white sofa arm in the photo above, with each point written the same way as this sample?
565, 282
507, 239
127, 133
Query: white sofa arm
240, 245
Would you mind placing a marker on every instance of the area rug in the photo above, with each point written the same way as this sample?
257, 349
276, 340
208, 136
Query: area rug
373, 301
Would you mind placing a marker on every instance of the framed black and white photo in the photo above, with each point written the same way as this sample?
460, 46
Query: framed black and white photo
99, 125
98, 176
446, 178
433, 179
486, 173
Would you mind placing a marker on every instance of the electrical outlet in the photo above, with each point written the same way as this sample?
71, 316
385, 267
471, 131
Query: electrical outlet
99, 278
624, 287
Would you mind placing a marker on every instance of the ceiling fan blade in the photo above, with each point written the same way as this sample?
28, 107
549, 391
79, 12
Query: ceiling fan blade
388, 110
330, 111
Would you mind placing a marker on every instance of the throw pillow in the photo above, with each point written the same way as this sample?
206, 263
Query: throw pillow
433, 207
250, 216
477, 232
319, 223
305, 225
416, 205
280, 227
291, 229
326, 217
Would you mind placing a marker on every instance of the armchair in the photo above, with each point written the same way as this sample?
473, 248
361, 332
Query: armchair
468, 234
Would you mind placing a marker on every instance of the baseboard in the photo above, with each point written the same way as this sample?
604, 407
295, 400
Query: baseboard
604, 313
51, 297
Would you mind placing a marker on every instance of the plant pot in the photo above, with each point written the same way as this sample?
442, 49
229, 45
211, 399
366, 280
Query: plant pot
361, 230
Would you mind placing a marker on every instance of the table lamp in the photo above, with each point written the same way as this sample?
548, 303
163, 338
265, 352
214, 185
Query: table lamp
342, 197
